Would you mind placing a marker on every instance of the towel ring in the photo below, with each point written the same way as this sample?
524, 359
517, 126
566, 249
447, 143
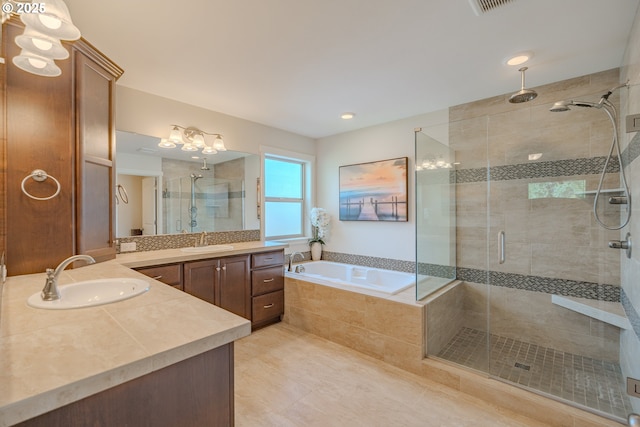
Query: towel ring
122, 192
40, 176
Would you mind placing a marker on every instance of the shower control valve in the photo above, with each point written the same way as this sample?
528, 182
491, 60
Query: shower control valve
618, 200
622, 244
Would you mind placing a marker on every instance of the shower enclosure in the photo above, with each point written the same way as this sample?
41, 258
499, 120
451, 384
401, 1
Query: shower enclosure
198, 203
538, 302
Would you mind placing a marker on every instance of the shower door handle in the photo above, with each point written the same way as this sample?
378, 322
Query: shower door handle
501, 246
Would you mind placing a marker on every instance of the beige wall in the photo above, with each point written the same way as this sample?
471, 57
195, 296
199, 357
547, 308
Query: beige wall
152, 115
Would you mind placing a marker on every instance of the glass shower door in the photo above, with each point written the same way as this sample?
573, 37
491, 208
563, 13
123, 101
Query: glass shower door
550, 268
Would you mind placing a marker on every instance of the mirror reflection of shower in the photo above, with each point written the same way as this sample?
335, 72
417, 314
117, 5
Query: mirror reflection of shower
607, 106
193, 210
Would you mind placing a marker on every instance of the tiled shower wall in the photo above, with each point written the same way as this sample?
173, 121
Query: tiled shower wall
630, 339
553, 244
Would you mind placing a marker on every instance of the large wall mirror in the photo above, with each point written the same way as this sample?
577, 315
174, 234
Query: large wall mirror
168, 191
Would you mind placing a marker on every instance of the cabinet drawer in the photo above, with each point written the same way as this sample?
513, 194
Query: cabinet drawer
267, 258
267, 280
169, 274
267, 306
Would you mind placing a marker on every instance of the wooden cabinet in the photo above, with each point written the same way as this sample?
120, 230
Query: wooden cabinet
200, 279
267, 288
234, 286
171, 274
251, 286
65, 126
192, 393
95, 154
224, 282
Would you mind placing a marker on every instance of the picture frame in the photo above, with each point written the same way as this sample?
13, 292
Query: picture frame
374, 191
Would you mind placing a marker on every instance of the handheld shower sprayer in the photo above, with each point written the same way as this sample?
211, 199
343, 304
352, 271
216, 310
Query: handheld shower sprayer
605, 105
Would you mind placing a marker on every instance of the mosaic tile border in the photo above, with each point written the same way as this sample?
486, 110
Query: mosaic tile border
175, 241
632, 151
546, 285
369, 261
436, 270
570, 288
631, 313
569, 167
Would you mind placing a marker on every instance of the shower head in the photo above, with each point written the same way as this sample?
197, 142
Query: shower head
523, 95
562, 106
204, 165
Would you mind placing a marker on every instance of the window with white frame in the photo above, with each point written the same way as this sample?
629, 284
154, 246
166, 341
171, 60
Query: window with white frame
284, 197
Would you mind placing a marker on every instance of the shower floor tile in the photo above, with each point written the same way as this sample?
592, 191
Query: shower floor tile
594, 383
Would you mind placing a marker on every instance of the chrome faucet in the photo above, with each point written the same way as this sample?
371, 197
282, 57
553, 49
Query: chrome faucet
203, 239
292, 256
50, 291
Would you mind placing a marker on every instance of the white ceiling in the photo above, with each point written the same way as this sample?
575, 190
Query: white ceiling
297, 64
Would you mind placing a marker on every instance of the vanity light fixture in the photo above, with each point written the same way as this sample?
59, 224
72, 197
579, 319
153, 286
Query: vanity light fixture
192, 139
53, 19
47, 24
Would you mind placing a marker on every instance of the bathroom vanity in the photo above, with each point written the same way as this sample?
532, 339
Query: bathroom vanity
162, 358
247, 280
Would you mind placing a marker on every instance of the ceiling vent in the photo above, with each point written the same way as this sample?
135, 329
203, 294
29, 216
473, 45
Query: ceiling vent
483, 6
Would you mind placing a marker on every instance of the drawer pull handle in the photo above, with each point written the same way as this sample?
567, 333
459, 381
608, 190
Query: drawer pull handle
268, 259
157, 277
268, 280
269, 305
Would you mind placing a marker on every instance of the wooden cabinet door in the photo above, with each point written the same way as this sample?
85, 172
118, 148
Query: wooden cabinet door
200, 278
95, 148
38, 134
234, 287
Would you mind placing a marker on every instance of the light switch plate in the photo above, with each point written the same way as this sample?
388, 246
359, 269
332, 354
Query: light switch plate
127, 247
633, 123
633, 387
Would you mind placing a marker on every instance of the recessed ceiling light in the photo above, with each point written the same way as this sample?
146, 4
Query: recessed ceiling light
195, 157
519, 58
347, 116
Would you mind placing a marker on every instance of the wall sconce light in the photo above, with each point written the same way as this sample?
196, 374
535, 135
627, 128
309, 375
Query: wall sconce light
47, 24
192, 139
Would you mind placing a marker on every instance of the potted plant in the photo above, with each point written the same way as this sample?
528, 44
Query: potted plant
319, 226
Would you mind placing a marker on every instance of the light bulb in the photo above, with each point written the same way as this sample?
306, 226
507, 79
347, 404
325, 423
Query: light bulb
37, 63
198, 140
50, 21
209, 150
175, 136
189, 147
42, 44
165, 143
218, 144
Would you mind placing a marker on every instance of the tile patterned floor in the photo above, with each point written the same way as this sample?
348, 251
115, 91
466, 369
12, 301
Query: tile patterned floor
594, 383
285, 377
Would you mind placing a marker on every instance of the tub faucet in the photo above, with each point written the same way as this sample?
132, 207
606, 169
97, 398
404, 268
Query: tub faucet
50, 291
291, 258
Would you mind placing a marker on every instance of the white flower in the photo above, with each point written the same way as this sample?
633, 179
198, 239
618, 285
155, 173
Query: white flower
320, 221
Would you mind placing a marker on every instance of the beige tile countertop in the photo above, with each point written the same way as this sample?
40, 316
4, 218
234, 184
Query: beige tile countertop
167, 256
50, 358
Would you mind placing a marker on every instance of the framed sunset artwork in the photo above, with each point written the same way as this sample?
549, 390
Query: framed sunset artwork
375, 191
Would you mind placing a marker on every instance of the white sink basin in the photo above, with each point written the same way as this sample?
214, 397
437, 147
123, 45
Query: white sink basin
205, 249
92, 292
